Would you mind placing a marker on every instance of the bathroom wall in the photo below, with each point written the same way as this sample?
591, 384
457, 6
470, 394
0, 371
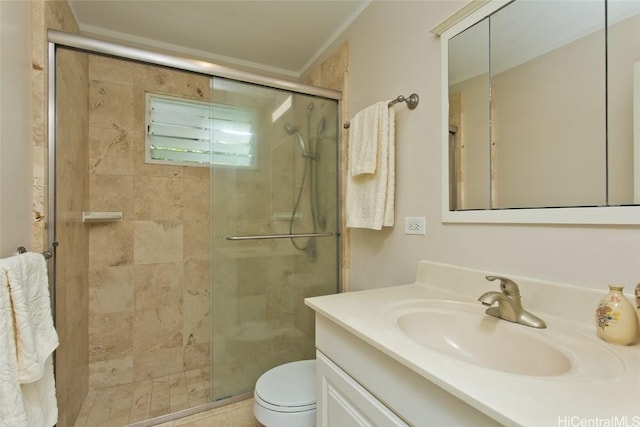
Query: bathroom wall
404, 59
148, 275
15, 130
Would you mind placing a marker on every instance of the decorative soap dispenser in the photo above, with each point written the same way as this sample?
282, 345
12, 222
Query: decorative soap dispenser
616, 318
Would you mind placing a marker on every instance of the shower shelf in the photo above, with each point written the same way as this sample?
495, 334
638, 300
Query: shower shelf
88, 216
285, 216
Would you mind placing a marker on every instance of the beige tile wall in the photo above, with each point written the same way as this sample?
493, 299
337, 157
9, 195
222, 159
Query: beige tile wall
149, 297
72, 260
72, 194
333, 73
154, 266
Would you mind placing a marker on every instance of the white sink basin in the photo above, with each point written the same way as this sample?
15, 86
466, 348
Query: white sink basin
463, 331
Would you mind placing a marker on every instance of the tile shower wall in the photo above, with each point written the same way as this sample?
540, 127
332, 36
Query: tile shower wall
72, 194
149, 274
73, 184
333, 73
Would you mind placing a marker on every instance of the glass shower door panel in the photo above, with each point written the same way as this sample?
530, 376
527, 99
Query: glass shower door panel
285, 184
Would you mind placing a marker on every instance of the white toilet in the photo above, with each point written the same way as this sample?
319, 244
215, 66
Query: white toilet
285, 396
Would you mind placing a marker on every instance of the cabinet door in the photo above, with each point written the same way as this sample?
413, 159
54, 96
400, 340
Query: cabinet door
345, 403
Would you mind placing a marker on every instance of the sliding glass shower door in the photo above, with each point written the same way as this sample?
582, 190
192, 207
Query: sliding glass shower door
273, 177
178, 199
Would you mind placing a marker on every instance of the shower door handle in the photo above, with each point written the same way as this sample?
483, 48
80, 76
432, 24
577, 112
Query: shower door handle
277, 236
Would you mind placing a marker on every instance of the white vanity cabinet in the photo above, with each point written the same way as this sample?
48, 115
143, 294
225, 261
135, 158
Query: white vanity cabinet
345, 403
359, 385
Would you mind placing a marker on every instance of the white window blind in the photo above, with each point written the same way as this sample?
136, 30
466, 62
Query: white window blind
194, 133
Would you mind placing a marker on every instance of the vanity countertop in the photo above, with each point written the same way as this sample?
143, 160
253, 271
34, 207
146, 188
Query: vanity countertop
579, 396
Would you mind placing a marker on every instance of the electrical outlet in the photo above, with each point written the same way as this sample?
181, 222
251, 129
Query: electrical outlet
414, 225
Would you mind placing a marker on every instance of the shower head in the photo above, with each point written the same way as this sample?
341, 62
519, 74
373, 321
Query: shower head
292, 130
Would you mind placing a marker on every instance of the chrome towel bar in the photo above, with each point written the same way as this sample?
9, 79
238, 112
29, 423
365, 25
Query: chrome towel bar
412, 102
277, 236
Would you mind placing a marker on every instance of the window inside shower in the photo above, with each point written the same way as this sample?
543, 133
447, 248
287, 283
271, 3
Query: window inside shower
188, 132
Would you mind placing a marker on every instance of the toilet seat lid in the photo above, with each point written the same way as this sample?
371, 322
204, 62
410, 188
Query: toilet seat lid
289, 385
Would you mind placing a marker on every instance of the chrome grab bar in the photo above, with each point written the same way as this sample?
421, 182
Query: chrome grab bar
277, 236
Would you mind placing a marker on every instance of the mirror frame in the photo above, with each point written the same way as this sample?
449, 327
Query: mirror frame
471, 13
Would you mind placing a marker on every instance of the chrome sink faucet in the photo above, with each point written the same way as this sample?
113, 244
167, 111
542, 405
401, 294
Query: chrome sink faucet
509, 305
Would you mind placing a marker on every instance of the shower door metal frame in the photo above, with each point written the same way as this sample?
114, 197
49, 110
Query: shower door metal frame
95, 46
92, 45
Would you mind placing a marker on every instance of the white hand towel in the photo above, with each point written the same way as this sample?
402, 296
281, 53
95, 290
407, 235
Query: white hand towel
364, 139
41, 405
389, 203
370, 196
24, 277
36, 337
12, 412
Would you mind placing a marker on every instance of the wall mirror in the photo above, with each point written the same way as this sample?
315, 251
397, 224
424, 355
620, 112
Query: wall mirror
540, 124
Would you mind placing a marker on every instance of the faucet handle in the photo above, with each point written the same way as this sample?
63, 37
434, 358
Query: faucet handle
507, 286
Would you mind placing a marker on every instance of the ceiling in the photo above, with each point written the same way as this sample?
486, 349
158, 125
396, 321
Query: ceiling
276, 36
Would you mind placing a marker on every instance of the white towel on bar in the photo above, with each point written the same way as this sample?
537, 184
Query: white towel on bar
364, 139
27, 385
370, 195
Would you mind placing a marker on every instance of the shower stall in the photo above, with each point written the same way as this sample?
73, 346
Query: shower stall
197, 207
